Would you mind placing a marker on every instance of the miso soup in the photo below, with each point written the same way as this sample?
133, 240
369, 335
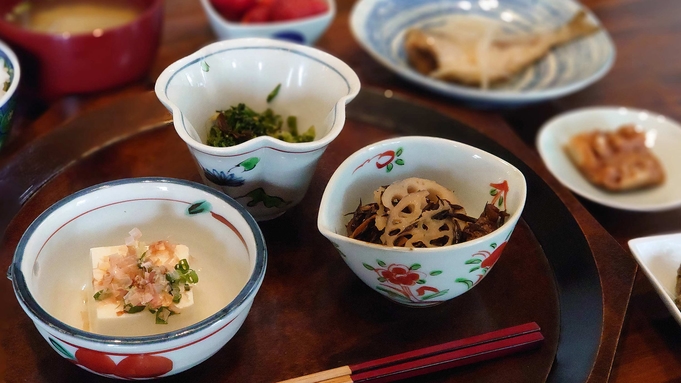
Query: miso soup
73, 16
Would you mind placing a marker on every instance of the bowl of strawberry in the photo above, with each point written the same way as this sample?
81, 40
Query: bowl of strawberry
300, 21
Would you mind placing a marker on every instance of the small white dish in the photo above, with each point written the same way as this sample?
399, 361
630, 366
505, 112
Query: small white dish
659, 257
663, 136
379, 27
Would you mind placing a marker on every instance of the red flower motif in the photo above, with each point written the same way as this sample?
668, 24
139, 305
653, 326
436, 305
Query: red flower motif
95, 361
400, 275
492, 258
143, 366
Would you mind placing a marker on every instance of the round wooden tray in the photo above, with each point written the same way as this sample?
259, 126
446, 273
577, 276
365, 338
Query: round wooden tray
312, 313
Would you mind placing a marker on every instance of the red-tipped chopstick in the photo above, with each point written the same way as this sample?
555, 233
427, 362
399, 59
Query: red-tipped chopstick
435, 358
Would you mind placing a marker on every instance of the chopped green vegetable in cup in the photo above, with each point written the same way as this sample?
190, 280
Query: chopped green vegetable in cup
240, 123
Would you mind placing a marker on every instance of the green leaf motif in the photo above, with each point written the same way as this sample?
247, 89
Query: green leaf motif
249, 164
204, 66
493, 245
501, 201
493, 192
435, 272
258, 195
380, 263
198, 207
473, 269
381, 279
473, 261
389, 168
467, 282
57, 346
399, 161
393, 294
421, 281
368, 267
399, 152
435, 295
415, 266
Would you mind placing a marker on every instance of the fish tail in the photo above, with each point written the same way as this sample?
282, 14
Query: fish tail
580, 25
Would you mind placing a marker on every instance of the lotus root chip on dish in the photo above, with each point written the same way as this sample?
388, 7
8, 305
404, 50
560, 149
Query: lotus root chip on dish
615, 161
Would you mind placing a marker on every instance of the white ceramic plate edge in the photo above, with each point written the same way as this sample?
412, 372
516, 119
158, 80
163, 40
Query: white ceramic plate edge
545, 137
635, 245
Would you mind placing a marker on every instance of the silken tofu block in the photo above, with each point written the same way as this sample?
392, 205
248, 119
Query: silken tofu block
104, 316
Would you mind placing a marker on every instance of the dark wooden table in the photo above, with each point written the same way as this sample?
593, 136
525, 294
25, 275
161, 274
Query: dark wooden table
646, 75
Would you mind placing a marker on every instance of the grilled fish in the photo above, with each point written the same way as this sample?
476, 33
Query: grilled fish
474, 50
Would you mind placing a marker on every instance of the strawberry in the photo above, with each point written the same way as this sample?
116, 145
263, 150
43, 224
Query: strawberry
296, 9
258, 14
233, 9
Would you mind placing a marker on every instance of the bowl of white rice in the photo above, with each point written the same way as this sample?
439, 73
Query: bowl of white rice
9, 81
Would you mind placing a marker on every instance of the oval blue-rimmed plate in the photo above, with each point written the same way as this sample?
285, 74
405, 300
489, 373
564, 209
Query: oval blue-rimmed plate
379, 27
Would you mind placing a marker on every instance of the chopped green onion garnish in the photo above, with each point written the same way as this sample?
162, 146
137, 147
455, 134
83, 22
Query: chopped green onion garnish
183, 266
162, 315
177, 297
274, 93
130, 309
172, 276
101, 294
192, 277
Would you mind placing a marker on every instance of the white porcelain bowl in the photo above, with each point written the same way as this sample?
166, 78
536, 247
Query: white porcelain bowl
303, 31
52, 269
265, 174
8, 99
422, 276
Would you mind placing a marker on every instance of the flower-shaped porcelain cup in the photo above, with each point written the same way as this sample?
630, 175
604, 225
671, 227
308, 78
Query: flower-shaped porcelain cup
265, 174
52, 275
421, 277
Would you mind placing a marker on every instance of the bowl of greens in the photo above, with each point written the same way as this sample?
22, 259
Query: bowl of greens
257, 114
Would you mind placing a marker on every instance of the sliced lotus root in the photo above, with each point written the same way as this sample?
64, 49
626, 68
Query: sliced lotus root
381, 215
433, 228
398, 190
406, 212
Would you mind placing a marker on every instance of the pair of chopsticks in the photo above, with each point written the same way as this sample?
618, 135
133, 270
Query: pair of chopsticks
434, 358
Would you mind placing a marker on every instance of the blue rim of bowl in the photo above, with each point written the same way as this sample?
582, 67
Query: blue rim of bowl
338, 66
252, 285
15, 74
323, 213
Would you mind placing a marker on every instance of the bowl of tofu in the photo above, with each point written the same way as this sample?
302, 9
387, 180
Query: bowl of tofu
139, 278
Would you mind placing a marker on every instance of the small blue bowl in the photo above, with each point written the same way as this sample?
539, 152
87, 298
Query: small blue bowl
8, 100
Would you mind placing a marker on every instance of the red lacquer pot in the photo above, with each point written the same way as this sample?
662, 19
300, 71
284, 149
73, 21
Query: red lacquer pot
60, 64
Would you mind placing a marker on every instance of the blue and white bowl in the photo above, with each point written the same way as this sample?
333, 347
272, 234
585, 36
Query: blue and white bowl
380, 25
8, 99
267, 175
